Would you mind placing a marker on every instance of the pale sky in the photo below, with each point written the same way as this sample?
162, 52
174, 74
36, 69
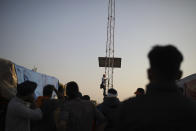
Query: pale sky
64, 38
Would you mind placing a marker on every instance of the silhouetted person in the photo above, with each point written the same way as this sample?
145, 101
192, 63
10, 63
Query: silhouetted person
108, 107
77, 114
139, 92
19, 113
162, 108
47, 94
48, 106
103, 84
59, 103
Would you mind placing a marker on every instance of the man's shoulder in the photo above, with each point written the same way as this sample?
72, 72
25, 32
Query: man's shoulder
15, 101
133, 103
133, 100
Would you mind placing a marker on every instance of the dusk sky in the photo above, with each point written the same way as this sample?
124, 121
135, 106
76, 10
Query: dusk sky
64, 38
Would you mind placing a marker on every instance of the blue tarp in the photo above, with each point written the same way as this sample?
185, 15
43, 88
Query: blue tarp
41, 79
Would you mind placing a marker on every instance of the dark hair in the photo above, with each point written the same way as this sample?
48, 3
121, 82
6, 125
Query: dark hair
112, 91
165, 60
86, 97
72, 89
48, 89
139, 91
26, 88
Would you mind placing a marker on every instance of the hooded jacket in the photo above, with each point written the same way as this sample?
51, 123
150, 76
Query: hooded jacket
108, 108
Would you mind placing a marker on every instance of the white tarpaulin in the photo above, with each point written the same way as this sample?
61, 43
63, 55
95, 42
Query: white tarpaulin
41, 79
189, 85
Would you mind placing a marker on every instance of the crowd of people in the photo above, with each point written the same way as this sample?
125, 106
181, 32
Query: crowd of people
160, 107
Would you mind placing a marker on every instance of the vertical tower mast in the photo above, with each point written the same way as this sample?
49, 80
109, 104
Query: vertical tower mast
109, 69
109, 62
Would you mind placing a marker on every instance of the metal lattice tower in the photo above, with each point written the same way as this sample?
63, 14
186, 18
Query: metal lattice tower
109, 69
109, 62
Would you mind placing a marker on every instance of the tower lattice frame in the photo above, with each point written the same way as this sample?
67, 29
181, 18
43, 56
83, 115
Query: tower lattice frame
109, 62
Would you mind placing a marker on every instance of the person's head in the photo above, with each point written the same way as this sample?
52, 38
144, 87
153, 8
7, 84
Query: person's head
139, 92
86, 97
112, 93
61, 91
47, 91
26, 90
72, 90
165, 64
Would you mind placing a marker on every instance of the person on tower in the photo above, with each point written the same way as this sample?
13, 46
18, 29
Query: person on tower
103, 84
